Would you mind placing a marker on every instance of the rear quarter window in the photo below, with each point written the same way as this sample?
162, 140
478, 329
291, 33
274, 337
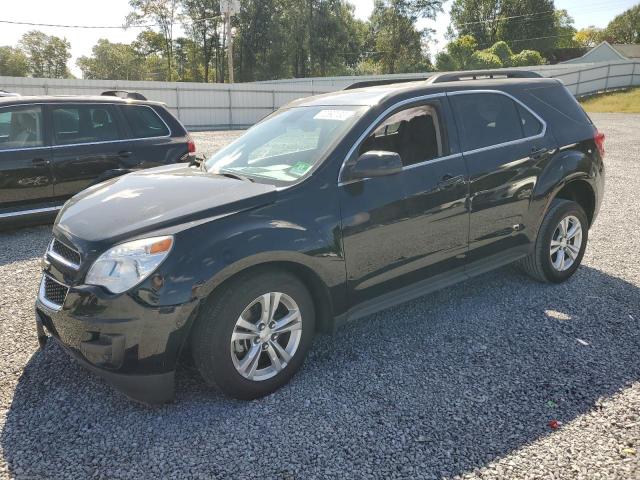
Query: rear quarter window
561, 100
144, 122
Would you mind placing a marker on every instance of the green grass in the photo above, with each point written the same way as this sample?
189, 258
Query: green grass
623, 101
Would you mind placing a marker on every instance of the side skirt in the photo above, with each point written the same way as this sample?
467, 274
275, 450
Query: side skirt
430, 285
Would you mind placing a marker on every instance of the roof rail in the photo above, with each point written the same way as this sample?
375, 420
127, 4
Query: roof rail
5, 93
386, 81
124, 94
481, 74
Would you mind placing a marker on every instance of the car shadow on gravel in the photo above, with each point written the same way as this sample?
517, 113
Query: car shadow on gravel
437, 387
21, 244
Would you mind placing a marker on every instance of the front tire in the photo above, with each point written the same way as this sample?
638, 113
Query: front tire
560, 244
253, 335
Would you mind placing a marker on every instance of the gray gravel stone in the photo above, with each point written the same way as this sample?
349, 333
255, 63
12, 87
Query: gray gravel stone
458, 384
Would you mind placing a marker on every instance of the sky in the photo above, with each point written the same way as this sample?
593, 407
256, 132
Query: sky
113, 12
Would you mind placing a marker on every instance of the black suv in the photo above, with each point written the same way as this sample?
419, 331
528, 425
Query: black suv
53, 147
330, 209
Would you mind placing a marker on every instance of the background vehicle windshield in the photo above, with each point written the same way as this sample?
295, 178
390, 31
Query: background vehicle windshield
287, 145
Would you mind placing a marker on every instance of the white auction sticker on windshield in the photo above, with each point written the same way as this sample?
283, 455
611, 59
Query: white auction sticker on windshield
340, 115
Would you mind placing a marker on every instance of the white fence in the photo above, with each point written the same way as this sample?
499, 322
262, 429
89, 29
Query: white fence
219, 106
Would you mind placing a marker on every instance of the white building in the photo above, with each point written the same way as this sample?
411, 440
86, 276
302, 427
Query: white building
605, 52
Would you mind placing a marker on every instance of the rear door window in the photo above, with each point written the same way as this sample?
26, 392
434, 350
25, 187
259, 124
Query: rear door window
486, 119
21, 127
414, 133
531, 126
144, 122
77, 124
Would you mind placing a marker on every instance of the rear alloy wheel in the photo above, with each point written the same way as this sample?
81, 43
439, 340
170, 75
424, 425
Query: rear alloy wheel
561, 243
566, 243
254, 333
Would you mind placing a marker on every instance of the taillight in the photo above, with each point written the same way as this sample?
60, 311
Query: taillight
191, 146
599, 139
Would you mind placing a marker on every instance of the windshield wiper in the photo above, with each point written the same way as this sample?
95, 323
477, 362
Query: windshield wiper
236, 176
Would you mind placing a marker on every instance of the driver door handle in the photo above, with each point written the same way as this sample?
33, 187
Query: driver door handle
448, 181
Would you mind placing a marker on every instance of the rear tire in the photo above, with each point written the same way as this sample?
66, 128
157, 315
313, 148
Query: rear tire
560, 244
254, 333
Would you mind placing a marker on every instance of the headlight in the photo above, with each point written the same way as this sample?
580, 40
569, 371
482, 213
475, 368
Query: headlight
127, 264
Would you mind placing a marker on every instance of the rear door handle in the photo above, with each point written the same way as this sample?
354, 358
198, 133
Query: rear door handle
538, 152
39, 162
124, 154
448, 181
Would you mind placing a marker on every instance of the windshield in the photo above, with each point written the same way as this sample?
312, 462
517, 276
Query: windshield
287, 145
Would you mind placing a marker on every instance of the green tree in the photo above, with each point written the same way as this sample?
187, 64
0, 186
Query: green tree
484, 60
527, 58
457, 55
398, 44
502, 51
188, 60
588, 37
565, 30
520, 23
149, 45
477, 18
538, 30
625, 28
13, 62
261, 41
463, 54
163, 14
202, 21
47, 56
112, 61
297, 38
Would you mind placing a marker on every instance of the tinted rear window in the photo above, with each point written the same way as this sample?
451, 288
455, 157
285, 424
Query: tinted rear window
74, 124
21, 127
560, 99
486, 119
144, 122
531, 126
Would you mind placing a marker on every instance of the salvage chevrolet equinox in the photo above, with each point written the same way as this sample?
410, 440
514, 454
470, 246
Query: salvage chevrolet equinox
333, 207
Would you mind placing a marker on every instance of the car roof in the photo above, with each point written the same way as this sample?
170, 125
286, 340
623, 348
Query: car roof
370, 96
4, 101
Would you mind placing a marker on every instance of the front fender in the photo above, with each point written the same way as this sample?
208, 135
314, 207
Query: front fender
206, 255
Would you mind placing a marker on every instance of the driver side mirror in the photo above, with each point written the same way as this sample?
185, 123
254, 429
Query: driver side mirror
376, 163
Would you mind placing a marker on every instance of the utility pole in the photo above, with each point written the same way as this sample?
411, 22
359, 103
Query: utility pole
229, 8
230, 46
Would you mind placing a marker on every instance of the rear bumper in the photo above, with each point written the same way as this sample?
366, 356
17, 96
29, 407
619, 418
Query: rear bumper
136, 353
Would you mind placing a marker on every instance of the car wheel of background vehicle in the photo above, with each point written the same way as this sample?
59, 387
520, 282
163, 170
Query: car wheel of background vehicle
561, 243
253, 335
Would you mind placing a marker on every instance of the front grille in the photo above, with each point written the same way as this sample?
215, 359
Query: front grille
60, 250
52, 291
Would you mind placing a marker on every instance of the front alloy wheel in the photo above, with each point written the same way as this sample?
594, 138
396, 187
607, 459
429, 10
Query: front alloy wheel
254, 332
266, 336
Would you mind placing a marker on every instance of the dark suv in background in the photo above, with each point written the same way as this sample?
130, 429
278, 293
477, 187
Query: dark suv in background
53, 147
332, 208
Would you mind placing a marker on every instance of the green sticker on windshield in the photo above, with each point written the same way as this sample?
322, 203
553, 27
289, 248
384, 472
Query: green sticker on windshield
299, 169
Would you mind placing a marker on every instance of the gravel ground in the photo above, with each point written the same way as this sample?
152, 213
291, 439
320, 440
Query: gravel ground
460, 383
